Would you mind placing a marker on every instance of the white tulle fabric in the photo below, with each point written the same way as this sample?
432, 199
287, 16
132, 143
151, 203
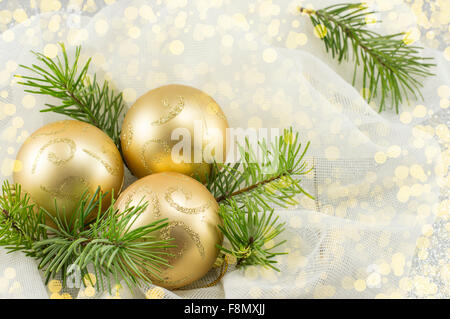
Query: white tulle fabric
374, 188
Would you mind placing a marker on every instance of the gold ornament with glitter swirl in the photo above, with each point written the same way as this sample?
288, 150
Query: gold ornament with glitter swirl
149, 132
192, 214
61, 160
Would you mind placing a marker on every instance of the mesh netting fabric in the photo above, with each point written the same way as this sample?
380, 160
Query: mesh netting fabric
374, 185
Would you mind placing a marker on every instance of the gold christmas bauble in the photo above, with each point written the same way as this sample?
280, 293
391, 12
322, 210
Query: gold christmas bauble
61, 160
174, 128
192, 214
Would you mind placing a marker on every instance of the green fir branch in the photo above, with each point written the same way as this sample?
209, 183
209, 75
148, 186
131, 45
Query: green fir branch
391, 69
269, 175
250, 232
107, 244
248, 190
19, 221
81, 98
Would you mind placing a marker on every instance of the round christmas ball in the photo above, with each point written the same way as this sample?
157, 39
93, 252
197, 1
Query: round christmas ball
174, 128
62, 160
193, 220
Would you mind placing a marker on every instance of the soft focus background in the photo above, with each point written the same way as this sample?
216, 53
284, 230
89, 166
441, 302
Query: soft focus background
429, 275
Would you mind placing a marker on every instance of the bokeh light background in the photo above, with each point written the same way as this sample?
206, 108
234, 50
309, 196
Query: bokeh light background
427, 22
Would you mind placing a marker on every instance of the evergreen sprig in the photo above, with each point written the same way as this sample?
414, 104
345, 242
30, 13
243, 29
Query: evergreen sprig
391, 68
268, 174
107, 244
81, 98
250, 232
19, 220
266, 177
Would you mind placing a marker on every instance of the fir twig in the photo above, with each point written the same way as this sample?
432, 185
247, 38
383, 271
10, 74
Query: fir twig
81, 98
107, 244
247, 190
391, 68
249, 232
19, 221
272, 177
